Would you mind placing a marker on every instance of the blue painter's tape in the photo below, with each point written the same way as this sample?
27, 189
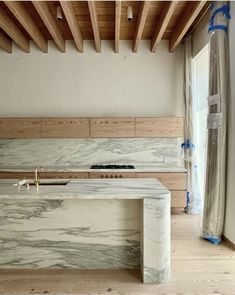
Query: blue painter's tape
187, 198
218, 27
214, 240
187, 145
225, 10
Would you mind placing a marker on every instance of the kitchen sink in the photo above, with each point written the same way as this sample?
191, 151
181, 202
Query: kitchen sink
50, 183
43, 182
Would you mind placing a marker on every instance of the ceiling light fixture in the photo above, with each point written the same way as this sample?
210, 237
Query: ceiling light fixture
59, 15
129, 13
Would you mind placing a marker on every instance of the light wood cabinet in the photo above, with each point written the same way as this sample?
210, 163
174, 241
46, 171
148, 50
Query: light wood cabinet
47, 175
16, 175
112, 175
105, 127
173, 181
112, 127
178, 199
20, 128
159, 127
65, 127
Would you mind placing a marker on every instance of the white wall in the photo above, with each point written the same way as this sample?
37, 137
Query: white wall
92, 84
229, 229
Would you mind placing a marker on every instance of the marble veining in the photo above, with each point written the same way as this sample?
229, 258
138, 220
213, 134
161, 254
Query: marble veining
88, 189
156, 231
85, 152
67, 234
90, 223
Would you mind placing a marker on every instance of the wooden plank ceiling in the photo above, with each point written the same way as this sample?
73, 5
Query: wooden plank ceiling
22, 21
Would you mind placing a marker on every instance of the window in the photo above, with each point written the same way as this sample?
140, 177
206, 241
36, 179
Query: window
200, 87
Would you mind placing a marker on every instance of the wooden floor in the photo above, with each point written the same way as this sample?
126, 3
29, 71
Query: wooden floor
198, 267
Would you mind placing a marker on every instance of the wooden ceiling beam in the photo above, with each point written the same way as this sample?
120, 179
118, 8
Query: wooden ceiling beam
144, 8
95, 26
118, 11
50, 22
12, 30
187, 19
28, 23
5, 43
69, 13
168, 10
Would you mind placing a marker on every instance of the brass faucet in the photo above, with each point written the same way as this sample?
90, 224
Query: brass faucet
37, 180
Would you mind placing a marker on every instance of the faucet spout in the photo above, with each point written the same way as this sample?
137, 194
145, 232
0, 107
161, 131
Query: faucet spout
37, 180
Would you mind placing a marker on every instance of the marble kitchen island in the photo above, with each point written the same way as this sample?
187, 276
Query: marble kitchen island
87, 224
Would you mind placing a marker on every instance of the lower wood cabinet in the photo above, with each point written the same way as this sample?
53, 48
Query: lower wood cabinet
111, 175
47, 175
16, 175
178, 199
174, 181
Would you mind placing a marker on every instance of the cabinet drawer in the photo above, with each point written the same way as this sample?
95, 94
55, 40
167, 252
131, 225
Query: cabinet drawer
31, 175
65, 127
159, 127
16, 175
20, 128
111, 175
178, 199
173, 181
112, 127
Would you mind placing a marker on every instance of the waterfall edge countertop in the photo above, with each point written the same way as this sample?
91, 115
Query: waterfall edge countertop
85, 189
138, 168
55, 233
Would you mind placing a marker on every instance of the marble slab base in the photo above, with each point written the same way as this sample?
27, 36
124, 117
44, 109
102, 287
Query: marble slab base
80, 234
155, 249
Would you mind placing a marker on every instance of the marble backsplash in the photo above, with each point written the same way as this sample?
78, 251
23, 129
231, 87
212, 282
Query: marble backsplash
85, 152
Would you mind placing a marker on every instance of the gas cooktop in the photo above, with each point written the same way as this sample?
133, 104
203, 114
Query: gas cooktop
112, 166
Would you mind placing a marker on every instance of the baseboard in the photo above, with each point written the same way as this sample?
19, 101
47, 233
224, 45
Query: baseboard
230, 244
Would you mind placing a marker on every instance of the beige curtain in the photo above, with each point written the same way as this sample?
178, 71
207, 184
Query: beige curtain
214, 201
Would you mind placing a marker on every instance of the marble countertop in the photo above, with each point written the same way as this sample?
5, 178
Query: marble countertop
138, 168
87, 189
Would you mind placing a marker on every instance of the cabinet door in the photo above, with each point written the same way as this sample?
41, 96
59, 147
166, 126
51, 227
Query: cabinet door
65, 127
112, 127
173, 181
20, 127
159, 127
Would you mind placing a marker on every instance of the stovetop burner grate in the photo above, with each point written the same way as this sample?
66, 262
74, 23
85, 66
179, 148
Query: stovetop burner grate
112, 166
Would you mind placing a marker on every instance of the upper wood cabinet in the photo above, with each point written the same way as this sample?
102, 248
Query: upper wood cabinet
71, 127
20, 127
65, 127
112, 127
159, 127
